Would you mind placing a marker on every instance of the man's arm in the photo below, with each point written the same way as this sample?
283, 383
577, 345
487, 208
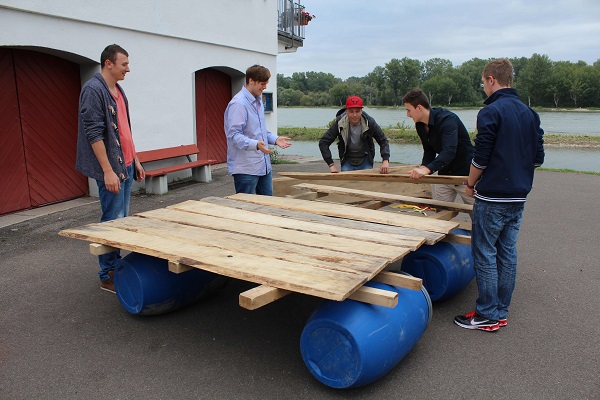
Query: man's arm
384, 147
326, 140
111, 180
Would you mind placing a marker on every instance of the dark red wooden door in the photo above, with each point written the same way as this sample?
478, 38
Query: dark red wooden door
47, 93
14, 189
213, 92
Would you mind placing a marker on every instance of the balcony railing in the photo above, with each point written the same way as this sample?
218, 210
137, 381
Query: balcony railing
289, 24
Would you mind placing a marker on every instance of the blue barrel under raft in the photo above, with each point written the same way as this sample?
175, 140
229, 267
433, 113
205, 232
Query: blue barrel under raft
350, 344
445, 268
145, 286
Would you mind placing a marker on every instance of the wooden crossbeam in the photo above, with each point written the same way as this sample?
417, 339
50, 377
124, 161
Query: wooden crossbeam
390, 198
178, 268
460, 239
375, 296
394, 279
98, 249
375, 177
263, 295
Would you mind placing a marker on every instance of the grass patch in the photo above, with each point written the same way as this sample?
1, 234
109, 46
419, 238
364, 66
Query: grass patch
568, 170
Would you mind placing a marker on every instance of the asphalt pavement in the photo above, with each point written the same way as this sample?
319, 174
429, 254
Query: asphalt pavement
61, 337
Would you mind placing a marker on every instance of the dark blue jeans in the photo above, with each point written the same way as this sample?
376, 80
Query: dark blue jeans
494, 246
253, 184
366, 164
113, 206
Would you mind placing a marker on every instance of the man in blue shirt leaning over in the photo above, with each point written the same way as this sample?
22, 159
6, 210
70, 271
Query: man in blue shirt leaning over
248, 138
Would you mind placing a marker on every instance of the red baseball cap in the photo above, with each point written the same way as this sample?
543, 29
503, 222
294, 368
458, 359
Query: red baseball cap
354, 102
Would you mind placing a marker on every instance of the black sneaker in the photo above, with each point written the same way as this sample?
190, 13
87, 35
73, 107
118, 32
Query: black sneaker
473, 321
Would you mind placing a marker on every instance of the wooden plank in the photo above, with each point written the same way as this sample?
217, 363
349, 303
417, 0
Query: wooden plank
239, 242
260, 296
430, 237
302, 278
460, 239
372, 204
223, 212
99, 249
375, 296
446, 215
349, 212
390, 198
394, 279
307, 196
340, 244
354, 176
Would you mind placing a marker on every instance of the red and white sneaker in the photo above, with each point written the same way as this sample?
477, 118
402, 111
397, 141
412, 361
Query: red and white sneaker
502, 322
473, 321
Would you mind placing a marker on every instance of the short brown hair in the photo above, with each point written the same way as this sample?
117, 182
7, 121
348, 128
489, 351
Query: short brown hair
502, 70
415, 98
258, 73
110, 53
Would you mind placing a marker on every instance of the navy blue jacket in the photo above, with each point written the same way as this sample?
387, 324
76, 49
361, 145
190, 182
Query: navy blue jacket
508, 146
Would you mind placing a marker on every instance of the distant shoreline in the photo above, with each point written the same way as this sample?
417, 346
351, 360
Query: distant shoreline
403, 135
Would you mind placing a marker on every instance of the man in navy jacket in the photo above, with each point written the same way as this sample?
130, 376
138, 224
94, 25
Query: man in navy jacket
508, 146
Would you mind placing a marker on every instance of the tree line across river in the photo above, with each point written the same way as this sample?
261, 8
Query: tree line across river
540, 82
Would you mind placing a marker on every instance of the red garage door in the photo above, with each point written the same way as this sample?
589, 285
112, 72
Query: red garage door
213, 92
38, 130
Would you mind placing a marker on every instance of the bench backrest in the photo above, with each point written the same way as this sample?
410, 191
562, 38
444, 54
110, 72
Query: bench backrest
169, 152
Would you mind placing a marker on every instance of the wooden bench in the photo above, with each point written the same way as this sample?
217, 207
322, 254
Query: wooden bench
156, 179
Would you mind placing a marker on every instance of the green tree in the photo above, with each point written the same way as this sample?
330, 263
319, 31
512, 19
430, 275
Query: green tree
535, 79
320, 81
434, 67
560, 81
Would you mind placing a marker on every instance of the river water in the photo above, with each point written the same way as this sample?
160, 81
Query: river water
564, 122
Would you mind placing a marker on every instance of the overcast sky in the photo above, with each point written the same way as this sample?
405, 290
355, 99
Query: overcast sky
351, 37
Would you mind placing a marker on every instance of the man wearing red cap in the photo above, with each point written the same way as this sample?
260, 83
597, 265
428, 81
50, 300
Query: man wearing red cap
355, 131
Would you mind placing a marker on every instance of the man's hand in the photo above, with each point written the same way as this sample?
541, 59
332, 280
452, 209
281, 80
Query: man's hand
112, 182
140, 171
469, 192
385, 167
417, 173
283, 142
333, 169
264, 147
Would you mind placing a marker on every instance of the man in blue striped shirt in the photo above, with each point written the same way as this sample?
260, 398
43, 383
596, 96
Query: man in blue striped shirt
248, 138
508, 147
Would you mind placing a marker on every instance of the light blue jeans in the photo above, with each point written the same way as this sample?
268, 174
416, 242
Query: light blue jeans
113, 206
494, 246
254, 184
366, 164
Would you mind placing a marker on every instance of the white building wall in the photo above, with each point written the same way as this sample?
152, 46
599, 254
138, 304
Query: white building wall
167, 42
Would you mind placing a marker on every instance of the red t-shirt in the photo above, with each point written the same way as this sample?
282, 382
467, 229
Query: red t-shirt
124, 130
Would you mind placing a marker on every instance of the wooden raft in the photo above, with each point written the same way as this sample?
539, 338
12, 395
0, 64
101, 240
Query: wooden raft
285, 245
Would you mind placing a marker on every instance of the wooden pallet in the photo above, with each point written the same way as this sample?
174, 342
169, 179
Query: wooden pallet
285, 245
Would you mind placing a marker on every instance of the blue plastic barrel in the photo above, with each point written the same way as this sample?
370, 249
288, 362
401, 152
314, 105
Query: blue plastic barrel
144, 285
445, 268
350, 344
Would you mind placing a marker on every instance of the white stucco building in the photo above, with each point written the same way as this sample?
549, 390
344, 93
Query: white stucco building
187, 59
